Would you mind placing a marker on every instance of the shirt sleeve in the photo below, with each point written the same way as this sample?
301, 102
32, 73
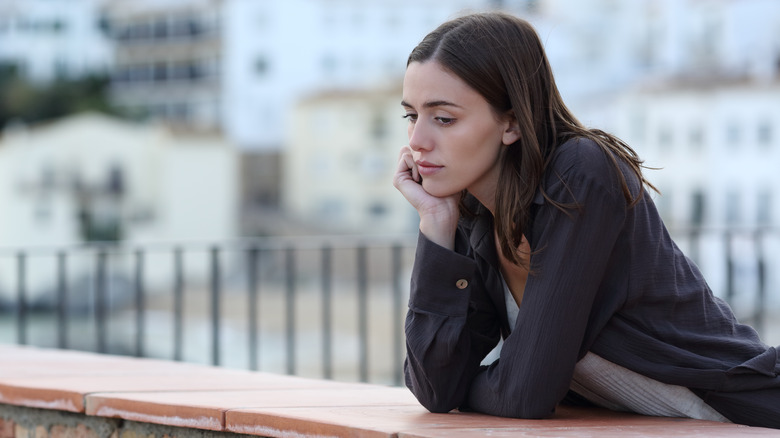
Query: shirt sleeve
574, 249
450, 326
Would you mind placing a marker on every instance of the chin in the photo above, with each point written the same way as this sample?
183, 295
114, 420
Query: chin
438, 191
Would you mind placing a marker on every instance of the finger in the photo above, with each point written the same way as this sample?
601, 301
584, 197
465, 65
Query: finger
407, 165
415, 170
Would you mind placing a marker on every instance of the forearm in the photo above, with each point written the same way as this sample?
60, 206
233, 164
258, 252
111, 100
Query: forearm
445, 339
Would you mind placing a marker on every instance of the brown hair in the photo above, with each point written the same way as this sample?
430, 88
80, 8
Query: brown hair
502, 58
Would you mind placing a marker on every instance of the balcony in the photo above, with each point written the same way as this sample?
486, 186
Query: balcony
56, 393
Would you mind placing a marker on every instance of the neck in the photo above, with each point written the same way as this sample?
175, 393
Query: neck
486, 195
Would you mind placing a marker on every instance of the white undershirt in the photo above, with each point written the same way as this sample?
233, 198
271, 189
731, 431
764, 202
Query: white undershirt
611, 386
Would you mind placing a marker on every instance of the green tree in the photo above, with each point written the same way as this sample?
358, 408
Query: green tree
22, 100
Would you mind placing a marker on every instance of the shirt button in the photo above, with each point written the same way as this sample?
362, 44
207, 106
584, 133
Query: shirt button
461, 284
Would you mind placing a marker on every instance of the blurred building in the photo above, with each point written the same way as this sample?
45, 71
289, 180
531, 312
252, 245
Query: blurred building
340, 162
240, 66
717, 143
277, 52
91, 177
599, 47
167, 57
45, 40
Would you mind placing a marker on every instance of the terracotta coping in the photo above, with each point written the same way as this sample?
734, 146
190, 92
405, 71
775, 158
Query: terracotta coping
211, 398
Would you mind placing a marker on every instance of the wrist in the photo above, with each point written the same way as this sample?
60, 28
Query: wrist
440, 232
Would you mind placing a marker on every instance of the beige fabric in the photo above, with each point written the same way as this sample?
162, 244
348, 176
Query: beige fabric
611, 386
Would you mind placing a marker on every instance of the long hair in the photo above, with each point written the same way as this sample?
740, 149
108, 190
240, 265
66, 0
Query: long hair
502, 58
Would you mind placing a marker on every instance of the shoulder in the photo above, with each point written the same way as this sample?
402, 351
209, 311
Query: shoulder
579, 165
581, 157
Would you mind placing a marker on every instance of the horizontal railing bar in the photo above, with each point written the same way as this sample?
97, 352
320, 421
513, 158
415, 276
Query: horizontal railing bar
266, 243
312, 242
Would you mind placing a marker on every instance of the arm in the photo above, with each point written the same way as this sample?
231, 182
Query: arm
449, 330
538, 358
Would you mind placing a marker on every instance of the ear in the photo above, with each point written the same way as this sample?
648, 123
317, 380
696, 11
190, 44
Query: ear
511, 129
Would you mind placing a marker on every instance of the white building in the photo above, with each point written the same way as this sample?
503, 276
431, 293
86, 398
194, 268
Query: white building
600, 47
717, 144
340, 162
167, 60
165, 186
49, 39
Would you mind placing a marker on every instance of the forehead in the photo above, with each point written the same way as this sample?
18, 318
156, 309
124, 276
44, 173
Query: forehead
429, 81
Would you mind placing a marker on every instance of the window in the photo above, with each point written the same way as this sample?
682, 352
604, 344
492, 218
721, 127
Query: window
140, 73
733, 134
331, 209
696, 137
179, 111
58, 26
377, 210
764, 210
698, 208
765, 134
160, 29
733, 208
665, 137
378, 126
638, 125
138, 31
261, 65
329, 64
179, 70
160, 72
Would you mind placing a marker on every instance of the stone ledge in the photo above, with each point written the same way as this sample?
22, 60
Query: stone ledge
56, 393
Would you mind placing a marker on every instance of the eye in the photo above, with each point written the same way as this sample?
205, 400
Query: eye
411, 117
445, 120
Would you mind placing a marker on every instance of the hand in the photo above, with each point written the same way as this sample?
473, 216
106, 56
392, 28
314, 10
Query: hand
438, 215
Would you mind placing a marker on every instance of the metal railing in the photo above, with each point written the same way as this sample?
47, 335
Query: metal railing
276, 265
108, 293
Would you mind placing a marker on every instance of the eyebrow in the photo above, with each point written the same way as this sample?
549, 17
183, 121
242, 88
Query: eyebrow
432, 104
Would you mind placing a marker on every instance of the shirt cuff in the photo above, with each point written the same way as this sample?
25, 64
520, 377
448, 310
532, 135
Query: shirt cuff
442, 280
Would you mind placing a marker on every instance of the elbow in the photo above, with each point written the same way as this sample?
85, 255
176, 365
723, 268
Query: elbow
433, 401
437, 406
437, 402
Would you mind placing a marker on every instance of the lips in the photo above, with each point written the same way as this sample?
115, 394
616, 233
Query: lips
426, 169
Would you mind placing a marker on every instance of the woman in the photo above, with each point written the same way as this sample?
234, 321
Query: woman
538, 232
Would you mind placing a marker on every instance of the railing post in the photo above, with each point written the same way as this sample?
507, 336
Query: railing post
62, 300
100, 301
398, 342
327, 324
730, 283
178, 304
140, 304
290, 308
252, 258
21, 298
215, 310
761, 282
363, 311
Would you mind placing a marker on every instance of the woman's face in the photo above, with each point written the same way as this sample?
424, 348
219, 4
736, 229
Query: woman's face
455, 136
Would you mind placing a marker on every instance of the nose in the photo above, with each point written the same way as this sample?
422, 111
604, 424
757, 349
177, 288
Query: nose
419, 138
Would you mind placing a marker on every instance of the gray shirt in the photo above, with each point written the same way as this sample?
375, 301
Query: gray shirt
605, 278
